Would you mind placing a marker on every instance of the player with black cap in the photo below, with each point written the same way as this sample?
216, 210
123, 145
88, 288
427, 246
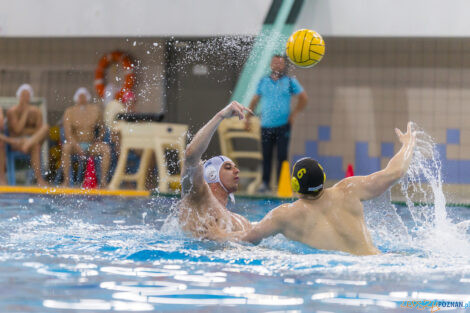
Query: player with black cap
308, 177
332, 218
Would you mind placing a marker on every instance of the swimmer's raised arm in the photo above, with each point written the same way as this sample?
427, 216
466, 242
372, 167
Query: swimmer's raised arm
373, 185
192, 173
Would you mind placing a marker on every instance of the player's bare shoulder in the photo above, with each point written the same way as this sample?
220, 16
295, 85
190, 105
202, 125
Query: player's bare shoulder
95, 109
344, 193
344, 186
285, 212
69, 111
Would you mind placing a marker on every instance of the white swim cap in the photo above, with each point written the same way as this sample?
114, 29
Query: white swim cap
212, 172
81, 90
25, 87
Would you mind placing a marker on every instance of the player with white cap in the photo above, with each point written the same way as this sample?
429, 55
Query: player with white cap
206, 187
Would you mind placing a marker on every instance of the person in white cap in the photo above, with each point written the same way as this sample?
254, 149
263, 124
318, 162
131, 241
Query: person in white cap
27, 130
81, 121
206, 187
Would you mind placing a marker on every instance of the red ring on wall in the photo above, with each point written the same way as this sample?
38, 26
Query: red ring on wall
100, 73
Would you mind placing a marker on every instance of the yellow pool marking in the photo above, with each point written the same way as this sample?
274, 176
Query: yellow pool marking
73, 191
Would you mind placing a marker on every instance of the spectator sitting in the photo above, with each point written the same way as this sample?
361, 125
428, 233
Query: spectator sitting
80, 124
27, 130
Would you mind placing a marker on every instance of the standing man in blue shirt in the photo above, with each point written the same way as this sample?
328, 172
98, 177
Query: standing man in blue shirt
275, 92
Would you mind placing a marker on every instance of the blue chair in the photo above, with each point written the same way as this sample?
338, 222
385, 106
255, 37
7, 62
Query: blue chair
13, 156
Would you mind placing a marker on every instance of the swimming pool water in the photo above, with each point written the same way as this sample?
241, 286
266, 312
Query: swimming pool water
82, 254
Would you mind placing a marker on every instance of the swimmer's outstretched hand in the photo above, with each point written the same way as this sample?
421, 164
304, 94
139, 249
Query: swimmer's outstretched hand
408, 138
234, 109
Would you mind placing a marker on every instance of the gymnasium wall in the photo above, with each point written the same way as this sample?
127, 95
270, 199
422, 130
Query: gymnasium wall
131, 18
387, 18
365, 87
162, 18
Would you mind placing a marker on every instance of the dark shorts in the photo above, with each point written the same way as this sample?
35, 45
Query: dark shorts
271, 138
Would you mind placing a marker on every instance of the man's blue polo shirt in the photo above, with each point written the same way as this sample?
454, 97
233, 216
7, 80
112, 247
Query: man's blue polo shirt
275, 99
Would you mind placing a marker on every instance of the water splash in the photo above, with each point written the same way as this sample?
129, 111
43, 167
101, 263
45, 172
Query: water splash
430, 229
171, 227
439, 234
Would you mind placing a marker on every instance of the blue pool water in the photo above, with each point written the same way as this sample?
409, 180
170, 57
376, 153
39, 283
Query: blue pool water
80, 254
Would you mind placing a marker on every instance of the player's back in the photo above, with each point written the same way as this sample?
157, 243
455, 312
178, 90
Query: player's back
333, 221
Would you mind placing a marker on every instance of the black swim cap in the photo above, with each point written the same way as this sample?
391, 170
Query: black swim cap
308, 176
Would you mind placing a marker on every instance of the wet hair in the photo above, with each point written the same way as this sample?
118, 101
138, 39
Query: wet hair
308, 177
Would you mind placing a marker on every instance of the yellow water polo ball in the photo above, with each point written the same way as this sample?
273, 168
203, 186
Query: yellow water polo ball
305, 48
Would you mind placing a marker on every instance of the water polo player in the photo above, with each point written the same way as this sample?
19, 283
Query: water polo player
332, 218
207, 187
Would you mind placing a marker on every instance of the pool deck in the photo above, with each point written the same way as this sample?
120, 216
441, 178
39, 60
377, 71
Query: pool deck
72, 191
456, 195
